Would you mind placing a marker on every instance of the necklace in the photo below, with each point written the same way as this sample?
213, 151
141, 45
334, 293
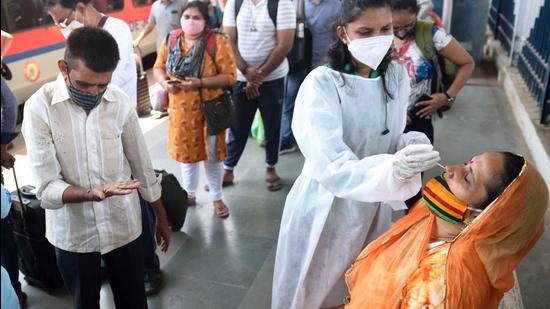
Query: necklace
252, 18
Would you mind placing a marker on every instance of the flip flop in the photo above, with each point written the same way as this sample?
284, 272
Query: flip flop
221, 212
274, 184
224, 184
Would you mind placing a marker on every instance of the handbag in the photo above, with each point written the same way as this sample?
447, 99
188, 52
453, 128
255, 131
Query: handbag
217, 112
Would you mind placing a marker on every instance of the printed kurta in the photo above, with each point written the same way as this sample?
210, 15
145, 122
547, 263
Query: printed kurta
187, 132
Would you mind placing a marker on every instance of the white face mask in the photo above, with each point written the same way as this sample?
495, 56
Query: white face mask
370, 51
75, 24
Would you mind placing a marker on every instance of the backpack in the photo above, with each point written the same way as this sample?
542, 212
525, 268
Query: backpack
272, 8
445, 70
297, 57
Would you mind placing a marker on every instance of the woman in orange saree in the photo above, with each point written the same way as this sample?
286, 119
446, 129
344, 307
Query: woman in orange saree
458, 246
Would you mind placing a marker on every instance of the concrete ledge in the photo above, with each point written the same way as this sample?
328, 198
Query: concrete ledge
522, 106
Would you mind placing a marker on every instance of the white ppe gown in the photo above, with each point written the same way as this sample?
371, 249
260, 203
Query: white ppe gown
336, 206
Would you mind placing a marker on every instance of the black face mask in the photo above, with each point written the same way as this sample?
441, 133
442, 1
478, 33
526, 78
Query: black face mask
406, 32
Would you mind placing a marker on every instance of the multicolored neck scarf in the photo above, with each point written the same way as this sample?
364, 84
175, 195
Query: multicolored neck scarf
439, 198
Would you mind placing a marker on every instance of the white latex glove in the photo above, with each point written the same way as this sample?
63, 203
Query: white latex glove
412, 137
414, 159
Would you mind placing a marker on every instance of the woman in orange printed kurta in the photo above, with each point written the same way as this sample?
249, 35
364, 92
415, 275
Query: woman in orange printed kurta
205, 63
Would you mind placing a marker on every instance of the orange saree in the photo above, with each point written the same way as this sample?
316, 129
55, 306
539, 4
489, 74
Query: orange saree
476, 267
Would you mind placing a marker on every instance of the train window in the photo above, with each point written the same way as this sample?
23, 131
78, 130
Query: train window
138, 3
19, 15
106, 6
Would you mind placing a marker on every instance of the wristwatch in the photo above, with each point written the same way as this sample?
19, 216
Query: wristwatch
450, 99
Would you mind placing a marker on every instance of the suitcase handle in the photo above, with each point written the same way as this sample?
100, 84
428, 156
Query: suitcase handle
18, 190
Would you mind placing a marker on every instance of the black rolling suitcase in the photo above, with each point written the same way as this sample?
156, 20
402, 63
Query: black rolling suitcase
36, 255
174, 200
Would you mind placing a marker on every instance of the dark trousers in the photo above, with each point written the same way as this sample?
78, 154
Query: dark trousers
9, 255
81, 273
148, 220
270, 105
293, 82
425, 126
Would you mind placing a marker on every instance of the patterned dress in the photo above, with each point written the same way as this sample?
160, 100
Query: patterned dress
187, 132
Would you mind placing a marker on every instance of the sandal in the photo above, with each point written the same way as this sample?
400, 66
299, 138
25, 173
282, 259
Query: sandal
222, 211
274, 184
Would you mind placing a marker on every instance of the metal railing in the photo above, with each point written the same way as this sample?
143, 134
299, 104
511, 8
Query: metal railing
493, 15
534, 56
533, 61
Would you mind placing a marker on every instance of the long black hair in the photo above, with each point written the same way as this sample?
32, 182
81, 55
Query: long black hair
513, 165
409, 5
338, 54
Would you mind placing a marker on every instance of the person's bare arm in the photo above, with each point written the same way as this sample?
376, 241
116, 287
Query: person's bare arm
253, 75
75, 194
464, 62
285, 39
6, 42
232, 33
145, 32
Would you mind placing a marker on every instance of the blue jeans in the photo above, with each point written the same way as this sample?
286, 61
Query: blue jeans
9, 255
270, 105
293, 82
148, 218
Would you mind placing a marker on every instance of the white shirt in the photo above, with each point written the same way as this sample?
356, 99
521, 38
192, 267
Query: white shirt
66, 148
125, 74
256, 46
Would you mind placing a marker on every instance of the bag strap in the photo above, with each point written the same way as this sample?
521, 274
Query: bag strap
272, 8
17, 187
425, 42
424, 38
102, 21
300, 13
172, 38
238, 4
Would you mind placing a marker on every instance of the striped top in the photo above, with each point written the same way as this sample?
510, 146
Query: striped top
256, 46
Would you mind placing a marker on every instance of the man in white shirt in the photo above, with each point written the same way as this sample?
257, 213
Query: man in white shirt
263, 38
72, 14
85, 146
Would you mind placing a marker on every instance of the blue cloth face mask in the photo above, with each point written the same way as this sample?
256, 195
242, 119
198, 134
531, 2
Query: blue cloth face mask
83, 99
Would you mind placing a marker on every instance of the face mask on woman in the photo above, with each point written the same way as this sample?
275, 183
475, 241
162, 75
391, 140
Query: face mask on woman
443, 203
370, 51
405, 32
192, 26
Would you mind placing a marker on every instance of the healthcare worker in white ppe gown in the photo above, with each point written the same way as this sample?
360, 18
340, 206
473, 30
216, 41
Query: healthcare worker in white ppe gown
348, 121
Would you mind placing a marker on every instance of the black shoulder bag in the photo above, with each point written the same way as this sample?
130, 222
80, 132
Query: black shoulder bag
217, 112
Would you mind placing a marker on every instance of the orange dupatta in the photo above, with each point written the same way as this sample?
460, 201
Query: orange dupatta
480, 260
